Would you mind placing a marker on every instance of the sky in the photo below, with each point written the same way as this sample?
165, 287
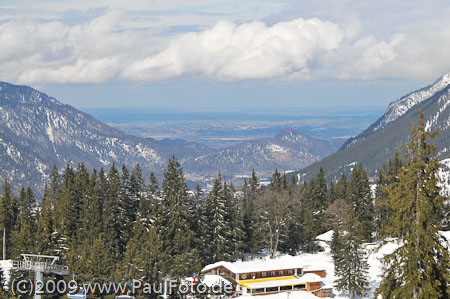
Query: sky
224, 54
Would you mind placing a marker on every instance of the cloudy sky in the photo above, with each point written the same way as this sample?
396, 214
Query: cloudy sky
224, 54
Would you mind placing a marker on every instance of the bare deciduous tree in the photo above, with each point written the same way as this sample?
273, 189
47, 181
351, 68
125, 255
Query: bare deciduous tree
275, 213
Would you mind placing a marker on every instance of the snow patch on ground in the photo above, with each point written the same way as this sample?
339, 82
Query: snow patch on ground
275, 148
444, 177
325, 236
324, 260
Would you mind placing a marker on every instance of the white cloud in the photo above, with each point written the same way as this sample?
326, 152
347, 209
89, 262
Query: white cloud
41, 52
138, 42
251, 50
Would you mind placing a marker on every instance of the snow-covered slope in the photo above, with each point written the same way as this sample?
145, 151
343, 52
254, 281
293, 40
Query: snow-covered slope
401, 106
323, 260
382, 140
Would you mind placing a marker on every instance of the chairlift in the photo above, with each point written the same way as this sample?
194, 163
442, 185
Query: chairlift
81, 294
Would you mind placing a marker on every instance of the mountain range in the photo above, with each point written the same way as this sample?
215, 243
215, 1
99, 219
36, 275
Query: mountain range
381, 140
38, 131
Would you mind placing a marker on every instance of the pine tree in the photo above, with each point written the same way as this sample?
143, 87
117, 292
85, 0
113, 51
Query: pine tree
350, 259
151, 256
319, 192
92, 210
336, 243
178, 235
100, 264
309, 230
341, 188
331, 192
197, 219
129, 201
216, 226
8, 215
386, 177
278, 181
317, 200
27, 207
54, 184
250, 192
293, 239
137, 183
419, 267
113, 217
45, 237
24, 229
233, 218
361, 201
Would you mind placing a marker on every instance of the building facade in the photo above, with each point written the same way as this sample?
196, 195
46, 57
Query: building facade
269, 276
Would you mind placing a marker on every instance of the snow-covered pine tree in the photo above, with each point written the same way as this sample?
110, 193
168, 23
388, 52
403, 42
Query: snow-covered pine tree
350, 258
179, 238
419, 267
217, 232
233, 218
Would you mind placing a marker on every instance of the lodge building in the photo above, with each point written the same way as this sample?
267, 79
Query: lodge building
269, 276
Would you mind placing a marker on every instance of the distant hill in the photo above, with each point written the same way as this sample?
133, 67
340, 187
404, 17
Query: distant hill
380, 141
288, 150
37, 131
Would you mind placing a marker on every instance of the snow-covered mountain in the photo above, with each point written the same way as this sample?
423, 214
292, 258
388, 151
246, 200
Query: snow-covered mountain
380, 141
401, 106
37, 131
289, 150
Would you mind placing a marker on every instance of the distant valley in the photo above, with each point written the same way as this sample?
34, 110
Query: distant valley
221, 129
38, 132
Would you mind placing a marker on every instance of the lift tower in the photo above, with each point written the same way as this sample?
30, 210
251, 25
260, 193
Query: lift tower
40, 264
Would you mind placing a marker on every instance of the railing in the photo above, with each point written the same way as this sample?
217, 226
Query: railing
44, 267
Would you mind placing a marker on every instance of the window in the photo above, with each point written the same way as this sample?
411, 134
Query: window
256, 291
263, 274
272, 273
286, 288
290, 272
273, 289
299, 286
